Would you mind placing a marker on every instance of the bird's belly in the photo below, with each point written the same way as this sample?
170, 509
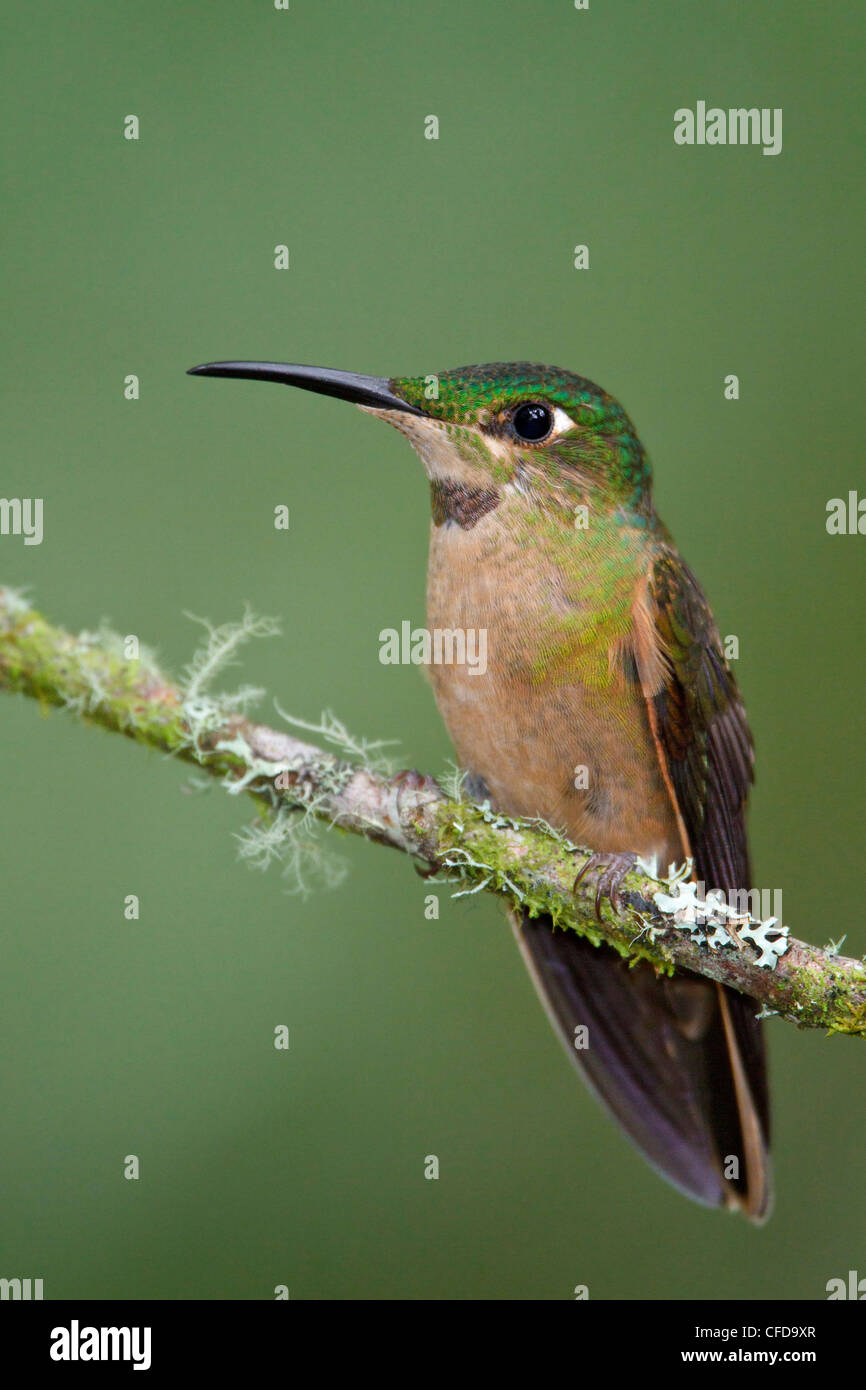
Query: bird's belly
582, 758
551, 753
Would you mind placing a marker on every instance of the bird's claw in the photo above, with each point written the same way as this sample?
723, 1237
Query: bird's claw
615, 868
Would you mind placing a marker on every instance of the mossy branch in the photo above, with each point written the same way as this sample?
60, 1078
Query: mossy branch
524, 862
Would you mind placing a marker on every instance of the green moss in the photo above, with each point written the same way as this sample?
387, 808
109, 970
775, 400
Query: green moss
825, 991
534, 870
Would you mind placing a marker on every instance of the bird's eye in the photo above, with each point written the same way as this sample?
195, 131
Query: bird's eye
532, 422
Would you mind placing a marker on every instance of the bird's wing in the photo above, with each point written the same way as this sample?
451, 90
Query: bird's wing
678, 1062
698, 721
707, 757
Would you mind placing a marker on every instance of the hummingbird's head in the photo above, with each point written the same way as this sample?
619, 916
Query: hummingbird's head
539, 428
542, 430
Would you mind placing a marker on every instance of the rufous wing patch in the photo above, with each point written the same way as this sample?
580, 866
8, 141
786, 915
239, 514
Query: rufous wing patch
654, 670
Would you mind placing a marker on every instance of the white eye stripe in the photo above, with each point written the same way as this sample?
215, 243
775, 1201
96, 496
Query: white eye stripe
561, 421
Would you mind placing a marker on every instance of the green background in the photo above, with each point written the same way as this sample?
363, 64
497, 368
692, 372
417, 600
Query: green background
408, 1037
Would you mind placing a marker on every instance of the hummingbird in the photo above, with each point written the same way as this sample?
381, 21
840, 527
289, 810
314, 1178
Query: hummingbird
603, 657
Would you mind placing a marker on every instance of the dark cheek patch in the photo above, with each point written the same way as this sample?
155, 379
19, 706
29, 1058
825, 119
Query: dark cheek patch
453, 501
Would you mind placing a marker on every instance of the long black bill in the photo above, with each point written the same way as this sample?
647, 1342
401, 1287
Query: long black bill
348, 386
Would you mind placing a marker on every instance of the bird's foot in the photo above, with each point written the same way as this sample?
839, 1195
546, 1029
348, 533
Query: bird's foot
614, 869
